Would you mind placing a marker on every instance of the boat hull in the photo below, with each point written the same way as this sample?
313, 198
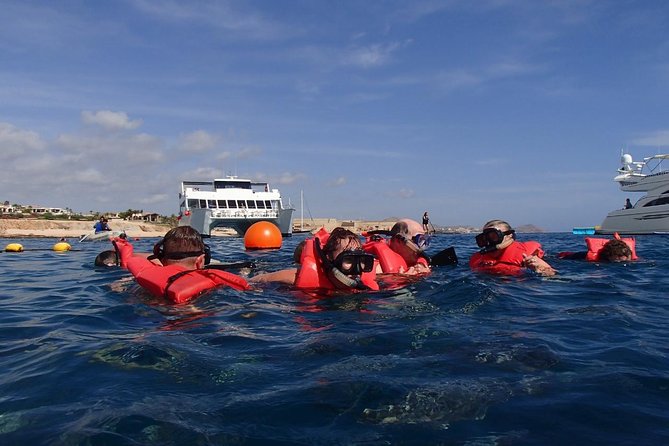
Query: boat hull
203, 221
637, 221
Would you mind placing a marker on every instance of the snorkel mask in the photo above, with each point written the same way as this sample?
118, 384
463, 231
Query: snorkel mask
345, 271
354, 262
490, 238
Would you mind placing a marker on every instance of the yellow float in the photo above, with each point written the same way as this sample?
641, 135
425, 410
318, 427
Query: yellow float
61, 247
14, 247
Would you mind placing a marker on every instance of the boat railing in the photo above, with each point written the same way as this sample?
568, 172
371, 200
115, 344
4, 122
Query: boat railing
244, 213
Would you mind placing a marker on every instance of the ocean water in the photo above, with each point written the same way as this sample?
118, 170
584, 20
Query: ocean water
454, 359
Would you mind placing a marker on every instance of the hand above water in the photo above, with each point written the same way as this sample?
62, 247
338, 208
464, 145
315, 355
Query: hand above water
538, 265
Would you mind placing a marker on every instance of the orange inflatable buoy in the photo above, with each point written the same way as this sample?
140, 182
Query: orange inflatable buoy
263, 235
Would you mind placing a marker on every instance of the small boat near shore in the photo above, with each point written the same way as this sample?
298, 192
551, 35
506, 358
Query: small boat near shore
650, 214
587, 230
232, 202
102, 236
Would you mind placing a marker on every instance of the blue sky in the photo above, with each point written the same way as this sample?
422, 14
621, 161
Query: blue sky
471, 110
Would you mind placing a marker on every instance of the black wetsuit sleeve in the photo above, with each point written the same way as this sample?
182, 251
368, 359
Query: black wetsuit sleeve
572, 255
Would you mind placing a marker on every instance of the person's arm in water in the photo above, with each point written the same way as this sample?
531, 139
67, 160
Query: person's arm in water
538, 265
286, 276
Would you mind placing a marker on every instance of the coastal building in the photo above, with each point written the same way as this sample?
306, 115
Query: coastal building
16, 209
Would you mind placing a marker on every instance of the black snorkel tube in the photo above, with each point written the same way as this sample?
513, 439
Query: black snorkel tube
341, 281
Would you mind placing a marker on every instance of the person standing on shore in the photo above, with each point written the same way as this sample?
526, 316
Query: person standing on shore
426, 223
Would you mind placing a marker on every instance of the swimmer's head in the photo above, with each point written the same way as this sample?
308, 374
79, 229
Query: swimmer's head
495, 235
408, 240
407, 227
297, 254
615, 251
344, 259
182, 245
106, 258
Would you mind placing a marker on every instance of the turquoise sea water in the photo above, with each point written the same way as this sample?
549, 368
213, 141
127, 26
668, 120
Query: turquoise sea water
456, 358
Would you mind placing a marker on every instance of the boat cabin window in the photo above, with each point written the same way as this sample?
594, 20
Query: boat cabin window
241, 204
203, 204
260, 204
211, 204
232, 184
657, 202
232, 204
222, 204
268, 204
251, 204
192, 203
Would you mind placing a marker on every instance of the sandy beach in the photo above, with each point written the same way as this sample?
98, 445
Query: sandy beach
71, 229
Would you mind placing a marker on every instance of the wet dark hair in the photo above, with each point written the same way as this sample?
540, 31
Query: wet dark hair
297, 254
182, 239
106, 258
614, 249
339, 237
400, 228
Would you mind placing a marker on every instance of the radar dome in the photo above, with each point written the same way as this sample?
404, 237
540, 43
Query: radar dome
626, 159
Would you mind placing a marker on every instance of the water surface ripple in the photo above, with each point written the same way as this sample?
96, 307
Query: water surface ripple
456, 358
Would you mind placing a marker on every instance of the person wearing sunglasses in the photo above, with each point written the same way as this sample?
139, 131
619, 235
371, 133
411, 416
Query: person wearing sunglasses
330, 261
501, 254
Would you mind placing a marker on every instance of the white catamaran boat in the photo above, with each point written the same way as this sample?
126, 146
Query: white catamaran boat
232, 203
650, 214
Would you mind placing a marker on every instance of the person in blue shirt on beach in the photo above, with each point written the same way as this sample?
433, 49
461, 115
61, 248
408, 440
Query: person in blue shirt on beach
101, 225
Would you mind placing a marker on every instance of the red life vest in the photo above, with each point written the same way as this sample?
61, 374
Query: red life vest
595, 245
509, 262
311, 273
174, 282
390, 261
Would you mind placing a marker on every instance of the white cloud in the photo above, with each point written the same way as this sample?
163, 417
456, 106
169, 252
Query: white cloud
289, 178
110, 120
124, 150
406, 193
223, 16
248, 152
337, 182
202, 174
15, 142
370, 56
658, 138
224, 156
197, 142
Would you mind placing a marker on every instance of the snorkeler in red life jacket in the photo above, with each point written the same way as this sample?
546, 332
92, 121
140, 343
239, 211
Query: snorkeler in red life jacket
351, 269
401, 253
616, 249
501, 254
181, 275
329, 262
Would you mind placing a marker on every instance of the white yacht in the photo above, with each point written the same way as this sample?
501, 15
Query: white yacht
233, 203
650, 214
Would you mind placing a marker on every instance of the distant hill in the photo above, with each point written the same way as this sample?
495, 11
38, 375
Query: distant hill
528, 228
